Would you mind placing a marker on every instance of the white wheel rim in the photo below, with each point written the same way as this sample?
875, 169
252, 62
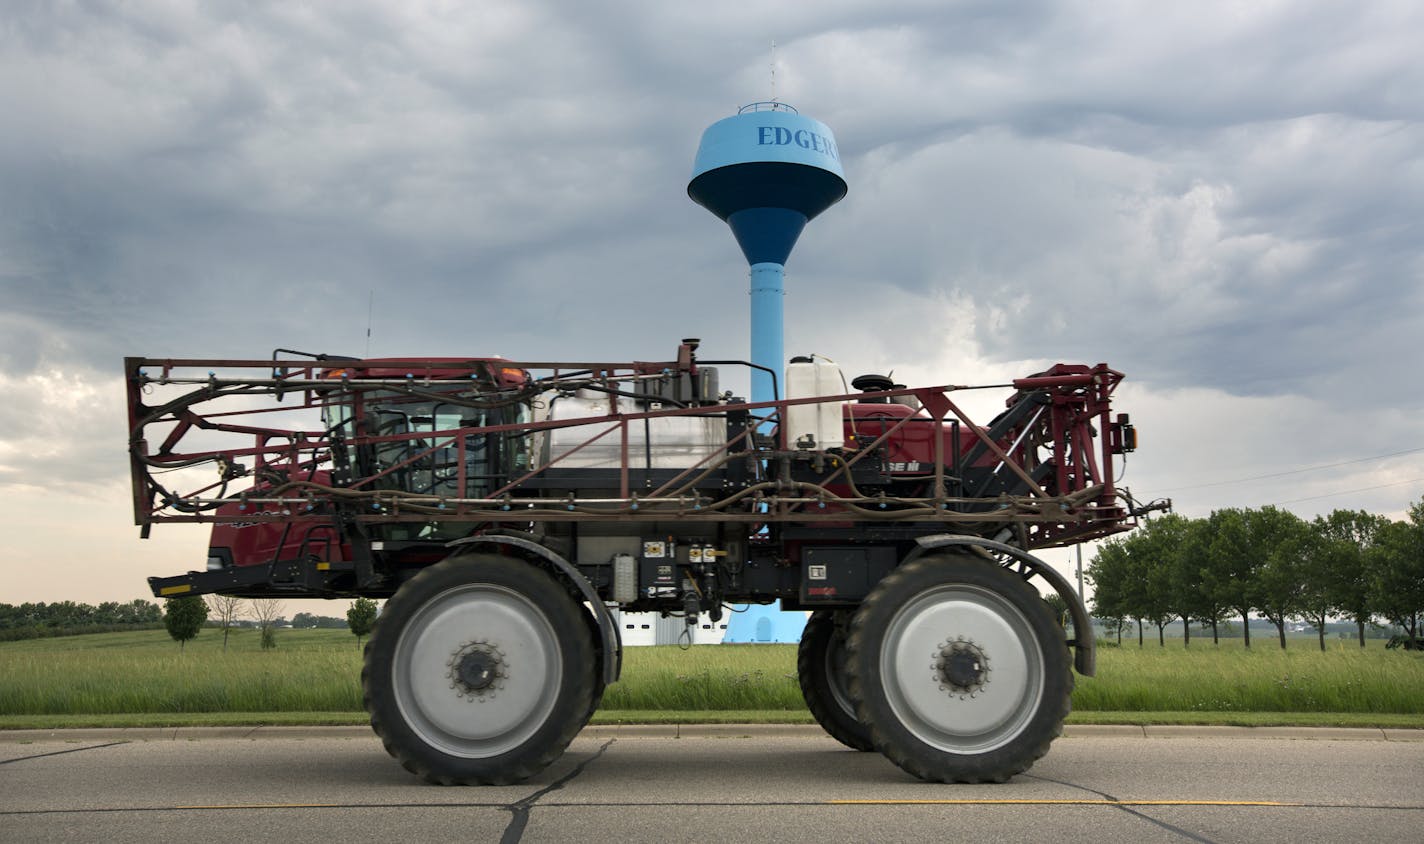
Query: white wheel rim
991, 712
509, 632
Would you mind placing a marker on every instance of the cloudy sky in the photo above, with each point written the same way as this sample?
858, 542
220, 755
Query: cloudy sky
1222, 199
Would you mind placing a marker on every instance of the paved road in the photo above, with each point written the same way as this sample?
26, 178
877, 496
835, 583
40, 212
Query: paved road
736, 783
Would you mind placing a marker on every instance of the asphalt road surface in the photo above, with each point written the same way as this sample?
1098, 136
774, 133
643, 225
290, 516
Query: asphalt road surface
733, 783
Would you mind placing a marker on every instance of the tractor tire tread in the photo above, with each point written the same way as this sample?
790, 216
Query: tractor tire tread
996, 766
810, 662
513, 767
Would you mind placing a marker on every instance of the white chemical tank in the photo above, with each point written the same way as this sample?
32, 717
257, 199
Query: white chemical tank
823, 422
670, 442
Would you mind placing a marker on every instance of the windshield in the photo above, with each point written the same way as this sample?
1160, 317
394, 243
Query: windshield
418, 447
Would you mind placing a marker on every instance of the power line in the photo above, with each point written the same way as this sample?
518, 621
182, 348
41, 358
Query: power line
1349, 491
1297, 472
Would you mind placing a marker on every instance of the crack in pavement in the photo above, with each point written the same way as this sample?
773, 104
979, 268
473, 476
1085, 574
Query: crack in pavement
1128, 809
61, 752
520, 808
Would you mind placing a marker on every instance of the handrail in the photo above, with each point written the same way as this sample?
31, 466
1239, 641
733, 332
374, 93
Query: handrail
767, 105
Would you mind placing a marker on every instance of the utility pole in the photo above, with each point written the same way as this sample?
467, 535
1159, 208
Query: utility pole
1079, 549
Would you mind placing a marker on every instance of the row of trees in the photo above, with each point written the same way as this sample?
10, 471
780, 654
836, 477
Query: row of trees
307, 621
65, 617
184, 617
1349, 564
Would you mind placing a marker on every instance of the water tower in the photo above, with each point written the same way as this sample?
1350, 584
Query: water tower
766, 172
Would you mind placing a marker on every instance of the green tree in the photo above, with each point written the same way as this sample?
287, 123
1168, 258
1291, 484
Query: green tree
1136, 594
1120, 570
1233, 564
1319, 558
183, 617
1351, 581
1280, 539
1397, 564
1107, 571
362, 617
139, 611
309, 621
1153, 551
1180, 549
107, 613
1207, 579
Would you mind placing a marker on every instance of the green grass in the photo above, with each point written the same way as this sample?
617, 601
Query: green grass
708, 677
142, 678
146, 672
1264, 678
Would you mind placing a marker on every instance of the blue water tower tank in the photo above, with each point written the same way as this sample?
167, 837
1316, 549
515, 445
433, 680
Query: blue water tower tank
766, 172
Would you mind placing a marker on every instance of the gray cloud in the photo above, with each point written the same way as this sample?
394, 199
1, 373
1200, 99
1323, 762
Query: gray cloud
1213, 197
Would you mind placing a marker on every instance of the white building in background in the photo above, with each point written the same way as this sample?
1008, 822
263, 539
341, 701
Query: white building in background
650, 628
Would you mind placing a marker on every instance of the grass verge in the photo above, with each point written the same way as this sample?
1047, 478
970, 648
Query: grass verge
142, 678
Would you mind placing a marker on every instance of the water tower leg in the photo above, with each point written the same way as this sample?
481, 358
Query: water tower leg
767, 295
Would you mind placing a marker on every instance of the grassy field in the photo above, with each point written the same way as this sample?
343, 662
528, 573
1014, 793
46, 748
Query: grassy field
313, 677
1231, 678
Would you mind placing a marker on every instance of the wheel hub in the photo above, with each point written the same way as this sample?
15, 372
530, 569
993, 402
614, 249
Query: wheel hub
477, 670
961, 667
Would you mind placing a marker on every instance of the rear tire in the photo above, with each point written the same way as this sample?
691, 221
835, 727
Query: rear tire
820, 668
599, 686
480, 671
959, 670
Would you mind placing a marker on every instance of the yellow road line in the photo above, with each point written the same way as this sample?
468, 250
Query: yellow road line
1083, 802
267, 806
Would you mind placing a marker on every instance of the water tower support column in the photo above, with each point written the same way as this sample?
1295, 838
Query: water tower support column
767, 294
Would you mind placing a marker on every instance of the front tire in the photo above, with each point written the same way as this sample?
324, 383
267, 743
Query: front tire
820, 669
479, 671
959, 670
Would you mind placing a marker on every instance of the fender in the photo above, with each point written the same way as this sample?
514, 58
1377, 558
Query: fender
1085, 655
607, 629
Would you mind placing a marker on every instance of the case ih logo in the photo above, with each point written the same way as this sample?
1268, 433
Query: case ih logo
778, 136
